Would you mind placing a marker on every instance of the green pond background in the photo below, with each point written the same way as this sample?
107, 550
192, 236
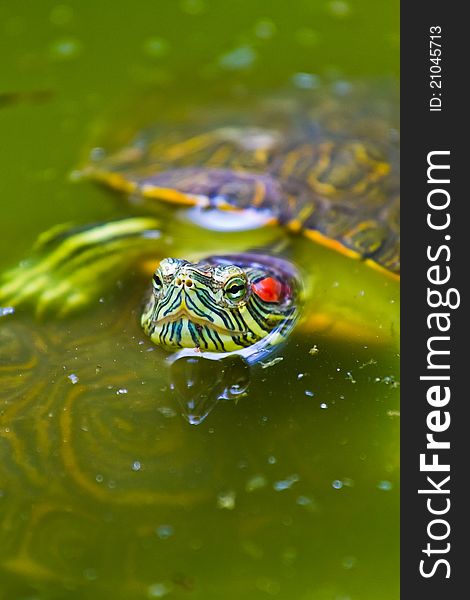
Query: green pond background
105, 490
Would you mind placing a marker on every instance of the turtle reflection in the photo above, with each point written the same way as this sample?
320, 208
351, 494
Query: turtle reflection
200, 382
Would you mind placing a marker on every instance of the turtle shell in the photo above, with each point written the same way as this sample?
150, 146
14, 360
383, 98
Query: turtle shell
325, 165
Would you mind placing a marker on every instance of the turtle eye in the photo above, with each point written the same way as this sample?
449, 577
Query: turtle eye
235, 288
157, 282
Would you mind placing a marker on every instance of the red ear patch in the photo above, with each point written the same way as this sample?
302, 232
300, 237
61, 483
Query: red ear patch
268, 289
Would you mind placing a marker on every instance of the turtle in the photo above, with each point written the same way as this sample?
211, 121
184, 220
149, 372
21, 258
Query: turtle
258, 215
324, 168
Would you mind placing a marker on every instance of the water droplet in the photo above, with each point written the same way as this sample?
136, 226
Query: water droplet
342, 87
226, 500
323, 405
285, 484
157, 590
90, 574
239, 59
337, 484
97, 153
265, 29
121, 391
306, 81
270, 586
348, 562
193, 7
155, 47
166, 411
65, 49
73, 378
252, 549
385, 485
338, 8
136, 466
306, 37
309, 393
99, 478
289, 555
272, 460
6, 310
164, 531
255, 483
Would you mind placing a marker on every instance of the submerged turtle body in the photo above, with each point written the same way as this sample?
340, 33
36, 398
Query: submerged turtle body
326, 169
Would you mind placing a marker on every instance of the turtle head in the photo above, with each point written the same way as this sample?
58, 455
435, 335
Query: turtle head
216, 305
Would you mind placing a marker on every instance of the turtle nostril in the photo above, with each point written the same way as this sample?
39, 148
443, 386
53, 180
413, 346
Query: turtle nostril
183, 281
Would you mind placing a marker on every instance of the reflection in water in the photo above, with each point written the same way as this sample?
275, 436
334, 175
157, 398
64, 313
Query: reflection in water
200, 382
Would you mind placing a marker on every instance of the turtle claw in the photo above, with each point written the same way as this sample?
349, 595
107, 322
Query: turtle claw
28, 285
17, 287
61, 300
75, 266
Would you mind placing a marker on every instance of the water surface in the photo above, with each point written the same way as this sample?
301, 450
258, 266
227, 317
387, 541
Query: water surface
105, 490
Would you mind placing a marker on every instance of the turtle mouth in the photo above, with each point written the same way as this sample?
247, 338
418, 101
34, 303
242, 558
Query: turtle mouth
198, 322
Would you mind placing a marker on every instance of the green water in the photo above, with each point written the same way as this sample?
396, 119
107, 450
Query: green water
105, 490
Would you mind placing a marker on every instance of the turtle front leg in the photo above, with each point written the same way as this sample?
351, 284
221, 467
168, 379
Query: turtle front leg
72, 266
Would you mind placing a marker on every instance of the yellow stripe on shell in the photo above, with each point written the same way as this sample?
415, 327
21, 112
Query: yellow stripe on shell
293, 158
193, 144
261, 156
220, 156
260, 193
381, 269
379, 170
323, 163
327, 242
115, 181
172, 196
359, 228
